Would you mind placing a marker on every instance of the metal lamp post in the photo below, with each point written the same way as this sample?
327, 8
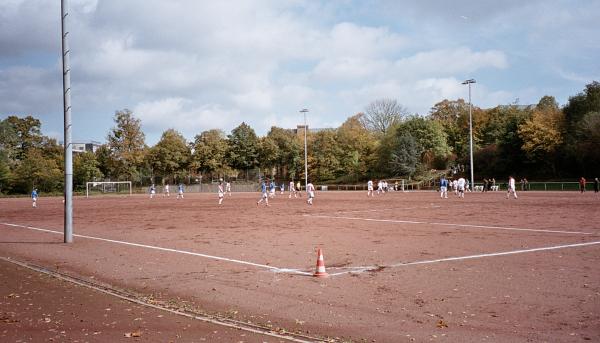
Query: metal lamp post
68, 194
303, 111
469, 82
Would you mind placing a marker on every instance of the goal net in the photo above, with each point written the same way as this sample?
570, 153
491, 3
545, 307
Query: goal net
108, 187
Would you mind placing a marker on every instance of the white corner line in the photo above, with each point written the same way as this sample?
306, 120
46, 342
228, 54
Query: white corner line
231, 323
468, 257
449, 224
264, 266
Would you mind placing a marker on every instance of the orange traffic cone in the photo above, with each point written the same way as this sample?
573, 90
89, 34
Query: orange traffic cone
320, 272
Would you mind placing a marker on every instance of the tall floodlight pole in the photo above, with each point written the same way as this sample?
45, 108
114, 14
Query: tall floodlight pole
68, 235
303, 111
469, 82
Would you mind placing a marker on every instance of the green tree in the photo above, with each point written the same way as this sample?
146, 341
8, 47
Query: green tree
289, 152
588, 143
357, 147
170, 157
126, 142
323, 156
38, 171
581, 104
511, 157
85, 169
18, 135
454, 118
243, 148
106, 162
577, 108
405, 156
210, 151
430, 138
5, 172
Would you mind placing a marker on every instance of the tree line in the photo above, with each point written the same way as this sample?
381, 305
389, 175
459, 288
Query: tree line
539, 141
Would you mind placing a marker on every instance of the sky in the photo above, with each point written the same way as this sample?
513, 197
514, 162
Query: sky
195, 65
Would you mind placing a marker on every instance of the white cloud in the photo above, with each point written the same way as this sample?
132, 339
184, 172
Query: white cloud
182, 115
195, 65
451, 62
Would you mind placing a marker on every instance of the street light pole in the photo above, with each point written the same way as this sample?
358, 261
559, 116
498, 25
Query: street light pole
469, 82
303, 111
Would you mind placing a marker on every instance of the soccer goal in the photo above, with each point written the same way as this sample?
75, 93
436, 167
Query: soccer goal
108, 187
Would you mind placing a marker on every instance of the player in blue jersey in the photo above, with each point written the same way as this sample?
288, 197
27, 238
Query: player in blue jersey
34, 197
444, 188
264, 197
152, 191
180, 191
272, 187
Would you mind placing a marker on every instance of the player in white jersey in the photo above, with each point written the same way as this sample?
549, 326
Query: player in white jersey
310, 191
511, 187
379, 187
292, 190
455, 186
460, 184
228, 188
370, 188
166, 191
221, 192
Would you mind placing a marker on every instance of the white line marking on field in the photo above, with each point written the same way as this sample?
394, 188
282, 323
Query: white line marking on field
451, 224
391, 208
459, 258
271, 268
228, 323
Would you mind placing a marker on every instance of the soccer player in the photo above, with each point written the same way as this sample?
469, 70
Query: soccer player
444, 188
228, 188
511, 187
370, 188
264, 197
379, 187
221, 192
180, 191
272, 186
166, 192
461, 187
310, 191
292, 190
582, 182
299, 188
152, 191
282, 188
34, 197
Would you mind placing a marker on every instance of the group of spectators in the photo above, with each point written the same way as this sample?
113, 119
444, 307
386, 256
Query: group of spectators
582, 183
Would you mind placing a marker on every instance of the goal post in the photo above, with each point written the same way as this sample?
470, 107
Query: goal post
114, 187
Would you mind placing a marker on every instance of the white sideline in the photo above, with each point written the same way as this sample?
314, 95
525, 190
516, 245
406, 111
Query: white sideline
355, 270
449, 224
274, 269
459, 258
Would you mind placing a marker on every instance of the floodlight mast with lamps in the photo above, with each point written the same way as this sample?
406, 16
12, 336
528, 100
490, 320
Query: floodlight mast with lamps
303, 111
469, 82
68, 150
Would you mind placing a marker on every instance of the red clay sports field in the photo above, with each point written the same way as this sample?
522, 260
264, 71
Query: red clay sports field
402, 266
